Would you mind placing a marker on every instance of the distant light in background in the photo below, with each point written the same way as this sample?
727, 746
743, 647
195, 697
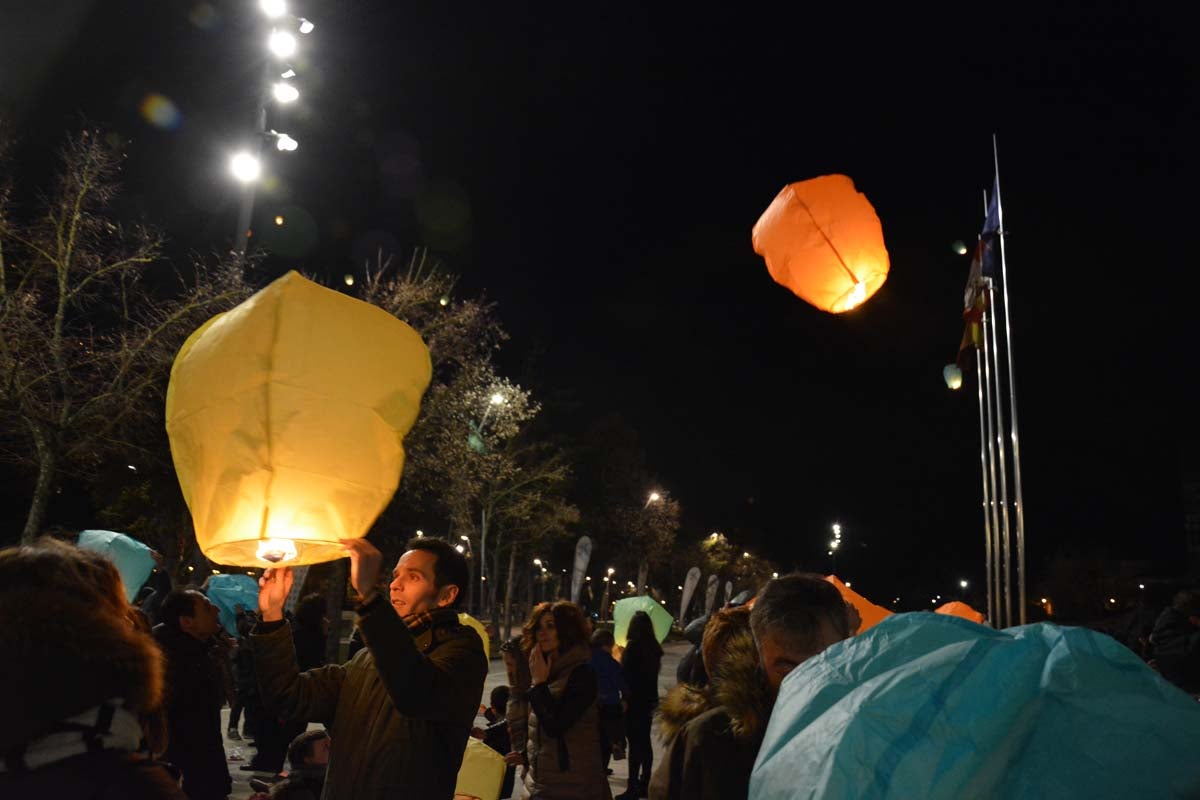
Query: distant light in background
160, 112
959, 248
282, 44
458, 547
848, 584
273, 8
306, 27
445, 301
953, 376
291, 73
285, 143
349, 279
285, 92
278, 220
245, 167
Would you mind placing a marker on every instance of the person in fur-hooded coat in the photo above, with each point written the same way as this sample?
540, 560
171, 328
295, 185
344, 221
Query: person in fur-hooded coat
713, 733
83, 682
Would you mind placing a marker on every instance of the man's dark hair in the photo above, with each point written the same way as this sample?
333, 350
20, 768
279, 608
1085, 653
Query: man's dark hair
301, 747
1187, 602
450, 568
792, 608
603, 638
178, 603
499, 699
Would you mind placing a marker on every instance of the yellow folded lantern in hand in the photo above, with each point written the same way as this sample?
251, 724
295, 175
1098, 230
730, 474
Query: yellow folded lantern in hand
286, 417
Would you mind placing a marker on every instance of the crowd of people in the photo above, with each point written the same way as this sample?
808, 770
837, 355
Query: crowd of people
126, 701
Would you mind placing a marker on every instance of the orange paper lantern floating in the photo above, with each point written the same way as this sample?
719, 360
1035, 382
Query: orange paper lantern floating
822, 239
957, 608
870, 614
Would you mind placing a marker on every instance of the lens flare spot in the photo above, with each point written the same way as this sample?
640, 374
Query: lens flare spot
160, 112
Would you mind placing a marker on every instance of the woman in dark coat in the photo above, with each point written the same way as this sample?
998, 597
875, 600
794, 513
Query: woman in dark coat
85, 682
640, 663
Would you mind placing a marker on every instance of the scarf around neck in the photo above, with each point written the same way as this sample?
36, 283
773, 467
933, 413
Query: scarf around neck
421, 621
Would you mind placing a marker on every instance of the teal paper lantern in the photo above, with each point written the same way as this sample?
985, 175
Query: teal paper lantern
134, 560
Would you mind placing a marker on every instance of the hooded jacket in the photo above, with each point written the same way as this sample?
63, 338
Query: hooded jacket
1177, 649
62, 658
713, 733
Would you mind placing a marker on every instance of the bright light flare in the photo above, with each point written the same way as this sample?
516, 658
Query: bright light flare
282, 44
276, 550
273, 8
497, 399
285, 143
285, 92
306, 27
245, 167
953, 376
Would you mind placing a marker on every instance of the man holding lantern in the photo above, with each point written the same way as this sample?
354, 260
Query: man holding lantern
403, 707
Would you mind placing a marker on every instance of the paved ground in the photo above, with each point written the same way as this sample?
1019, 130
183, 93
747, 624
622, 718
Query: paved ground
496, 677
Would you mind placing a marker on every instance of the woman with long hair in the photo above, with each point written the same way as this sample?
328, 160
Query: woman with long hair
640, 663
562, 743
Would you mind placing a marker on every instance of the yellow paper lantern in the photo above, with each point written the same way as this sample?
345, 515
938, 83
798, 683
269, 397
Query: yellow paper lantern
471, 622
286, 417
822, 239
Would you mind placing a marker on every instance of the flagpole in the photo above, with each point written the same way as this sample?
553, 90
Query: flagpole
991, 449
1012, 395
1002, 450
987, 527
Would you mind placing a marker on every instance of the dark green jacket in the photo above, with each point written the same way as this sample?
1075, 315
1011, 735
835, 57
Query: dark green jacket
399, 713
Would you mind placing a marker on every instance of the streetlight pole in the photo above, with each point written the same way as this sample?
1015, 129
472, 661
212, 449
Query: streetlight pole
608, 578
247, 164
834, 544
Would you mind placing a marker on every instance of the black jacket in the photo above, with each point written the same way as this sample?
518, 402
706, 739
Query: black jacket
640, 664
399, 712
195, 692
1177, 649
107, 775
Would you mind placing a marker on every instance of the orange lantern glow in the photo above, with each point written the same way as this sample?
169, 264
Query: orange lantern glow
868, 612
822, 239
286, 417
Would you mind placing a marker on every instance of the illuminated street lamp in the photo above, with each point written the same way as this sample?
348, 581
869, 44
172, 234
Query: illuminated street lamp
273, 8
245, 167
282, 44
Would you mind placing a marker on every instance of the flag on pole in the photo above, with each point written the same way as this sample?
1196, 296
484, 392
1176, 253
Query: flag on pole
983, 265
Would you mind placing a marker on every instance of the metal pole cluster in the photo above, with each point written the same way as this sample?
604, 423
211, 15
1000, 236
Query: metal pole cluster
1004, 534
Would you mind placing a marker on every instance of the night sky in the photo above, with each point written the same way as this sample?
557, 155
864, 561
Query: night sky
597, 168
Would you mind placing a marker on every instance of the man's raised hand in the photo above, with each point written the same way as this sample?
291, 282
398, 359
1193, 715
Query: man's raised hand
365, 564
273, 589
